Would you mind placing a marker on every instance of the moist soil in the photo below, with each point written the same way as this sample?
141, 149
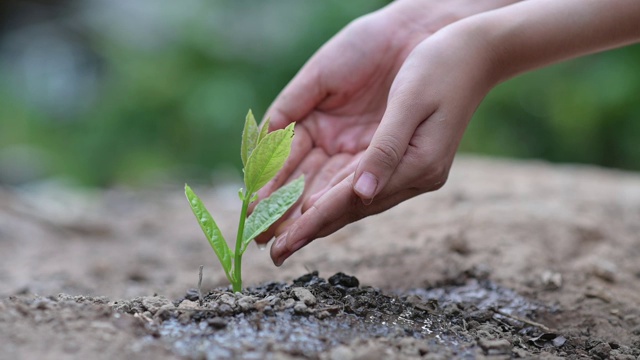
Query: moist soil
509, 260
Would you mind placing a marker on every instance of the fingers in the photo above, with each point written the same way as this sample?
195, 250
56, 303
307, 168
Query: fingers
328, 209
309, 166
337, 208
319, 169
347, 169
424, 167
386, 150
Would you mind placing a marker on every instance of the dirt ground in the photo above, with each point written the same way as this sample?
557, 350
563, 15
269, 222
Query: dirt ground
85, 274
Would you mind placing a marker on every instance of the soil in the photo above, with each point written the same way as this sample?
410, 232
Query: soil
509, 260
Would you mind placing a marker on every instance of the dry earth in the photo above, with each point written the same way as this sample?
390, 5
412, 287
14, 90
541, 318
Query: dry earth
567, 237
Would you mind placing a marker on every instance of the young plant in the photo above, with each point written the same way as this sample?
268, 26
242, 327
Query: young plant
263, 155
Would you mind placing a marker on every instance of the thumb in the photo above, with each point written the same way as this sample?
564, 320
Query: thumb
388, 146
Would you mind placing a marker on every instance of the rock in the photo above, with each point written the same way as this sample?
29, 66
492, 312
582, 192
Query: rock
495, 347
551, 280
185, 318
601, 351
304, 295
260, 305
225, 309
344, 280
420, 304
605, 270
217, 323
289, 303
480, 315
521, 353
322, 314
192, 294
188, 305
304, 279
300, 308
154, 303
164, 312
245, 303
227, 299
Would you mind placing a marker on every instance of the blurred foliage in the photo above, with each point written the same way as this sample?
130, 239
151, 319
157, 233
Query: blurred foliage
583, 111
113, 91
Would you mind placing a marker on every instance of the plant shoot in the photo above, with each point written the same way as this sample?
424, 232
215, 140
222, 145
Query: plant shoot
263, 155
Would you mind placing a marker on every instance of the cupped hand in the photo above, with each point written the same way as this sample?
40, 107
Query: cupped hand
407, 153
338, 99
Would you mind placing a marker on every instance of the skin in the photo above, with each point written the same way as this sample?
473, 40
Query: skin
381, 108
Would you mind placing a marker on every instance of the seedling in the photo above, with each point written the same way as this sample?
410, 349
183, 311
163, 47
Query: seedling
263, 155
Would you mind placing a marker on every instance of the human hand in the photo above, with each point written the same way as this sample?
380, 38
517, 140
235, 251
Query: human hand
408, 153
340, 95
435, 94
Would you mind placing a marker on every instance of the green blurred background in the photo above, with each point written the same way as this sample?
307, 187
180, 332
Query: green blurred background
106, 92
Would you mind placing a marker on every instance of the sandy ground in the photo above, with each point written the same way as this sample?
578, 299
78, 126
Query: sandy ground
566, 236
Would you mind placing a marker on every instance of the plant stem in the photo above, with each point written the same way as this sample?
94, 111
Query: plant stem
237, 261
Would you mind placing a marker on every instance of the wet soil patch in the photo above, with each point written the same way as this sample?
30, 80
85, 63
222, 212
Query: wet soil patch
337, 318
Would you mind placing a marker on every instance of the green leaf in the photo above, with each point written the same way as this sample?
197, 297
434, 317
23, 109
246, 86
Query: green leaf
210, 229
249, 137
264, 130
268, 158
269, 210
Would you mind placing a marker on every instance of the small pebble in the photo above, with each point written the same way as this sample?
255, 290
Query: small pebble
304, 295
225, 309
289, 303
344, 280
246, 303
188, 305
300, 308
495, 347
192, 294
322, 314
227, 299
601, 351
605, 270
217, 323
164, 312
551, 280
154, 303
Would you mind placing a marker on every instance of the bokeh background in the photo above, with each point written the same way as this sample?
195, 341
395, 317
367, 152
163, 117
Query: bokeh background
111, 92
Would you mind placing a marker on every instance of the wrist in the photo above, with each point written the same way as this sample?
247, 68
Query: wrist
412, 21
425, 17
534, 34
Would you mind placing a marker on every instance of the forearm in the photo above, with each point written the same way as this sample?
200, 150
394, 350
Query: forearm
535, 33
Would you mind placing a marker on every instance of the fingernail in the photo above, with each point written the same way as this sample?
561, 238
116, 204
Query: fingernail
295, 247
279, 249
366, 186
280, 244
